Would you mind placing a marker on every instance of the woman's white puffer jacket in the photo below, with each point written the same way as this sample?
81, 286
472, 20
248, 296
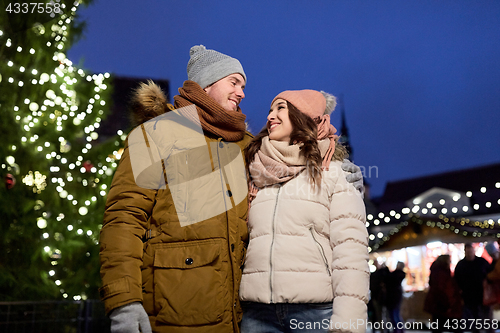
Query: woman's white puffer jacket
310, 246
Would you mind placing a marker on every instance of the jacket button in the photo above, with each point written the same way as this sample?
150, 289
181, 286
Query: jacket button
221, 145
229, 193
189, 261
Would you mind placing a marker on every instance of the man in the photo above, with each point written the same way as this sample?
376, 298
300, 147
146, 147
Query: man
378, 292
174, 234
469, 274
395, 295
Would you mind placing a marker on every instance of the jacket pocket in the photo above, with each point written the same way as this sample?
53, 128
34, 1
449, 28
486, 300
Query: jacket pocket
188, 283
321, 251
177, 174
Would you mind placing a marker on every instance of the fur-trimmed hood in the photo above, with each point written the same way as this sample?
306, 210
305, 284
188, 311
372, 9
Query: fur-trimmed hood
148, 101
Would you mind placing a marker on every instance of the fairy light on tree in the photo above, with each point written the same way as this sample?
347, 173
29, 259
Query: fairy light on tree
51, 113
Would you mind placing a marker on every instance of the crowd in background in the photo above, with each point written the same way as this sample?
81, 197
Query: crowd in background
451, 297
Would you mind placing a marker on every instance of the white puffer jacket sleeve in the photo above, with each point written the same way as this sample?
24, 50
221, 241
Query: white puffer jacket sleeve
349, 241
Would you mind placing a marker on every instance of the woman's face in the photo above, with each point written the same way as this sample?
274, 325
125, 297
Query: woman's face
279, 126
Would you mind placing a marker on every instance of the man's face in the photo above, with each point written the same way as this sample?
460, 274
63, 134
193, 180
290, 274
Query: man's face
470, 253
228, 91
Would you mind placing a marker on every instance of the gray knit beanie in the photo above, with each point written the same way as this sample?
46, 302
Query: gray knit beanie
209, 66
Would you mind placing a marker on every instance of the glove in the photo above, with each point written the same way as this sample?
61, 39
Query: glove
130, 318
354, 176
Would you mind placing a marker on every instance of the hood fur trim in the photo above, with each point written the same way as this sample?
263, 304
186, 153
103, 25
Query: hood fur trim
148, 101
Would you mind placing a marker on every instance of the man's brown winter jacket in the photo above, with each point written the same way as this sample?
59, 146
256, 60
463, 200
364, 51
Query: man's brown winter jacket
174, 234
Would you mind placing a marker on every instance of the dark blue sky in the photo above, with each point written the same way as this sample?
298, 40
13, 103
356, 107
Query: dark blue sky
420, 79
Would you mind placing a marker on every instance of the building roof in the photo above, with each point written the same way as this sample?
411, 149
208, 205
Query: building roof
419, 231
481, 183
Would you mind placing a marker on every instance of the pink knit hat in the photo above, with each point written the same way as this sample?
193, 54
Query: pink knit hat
310, 102
313, 104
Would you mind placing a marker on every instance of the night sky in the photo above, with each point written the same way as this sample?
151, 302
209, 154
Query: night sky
420, 79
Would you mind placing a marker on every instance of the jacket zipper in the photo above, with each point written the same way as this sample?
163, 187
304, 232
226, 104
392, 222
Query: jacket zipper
222, 177
272, 245
185, 198
321, 250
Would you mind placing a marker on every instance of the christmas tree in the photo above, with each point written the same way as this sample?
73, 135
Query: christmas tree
56, 168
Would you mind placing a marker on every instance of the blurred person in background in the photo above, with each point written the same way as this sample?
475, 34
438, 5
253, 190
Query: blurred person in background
443, 300
395, 296
470, 273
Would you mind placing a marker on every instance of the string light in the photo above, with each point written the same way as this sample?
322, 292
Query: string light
452, 223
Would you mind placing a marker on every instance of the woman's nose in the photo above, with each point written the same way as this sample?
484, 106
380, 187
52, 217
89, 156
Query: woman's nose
270, 116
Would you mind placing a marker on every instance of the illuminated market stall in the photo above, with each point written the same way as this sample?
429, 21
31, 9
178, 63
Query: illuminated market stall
419, 219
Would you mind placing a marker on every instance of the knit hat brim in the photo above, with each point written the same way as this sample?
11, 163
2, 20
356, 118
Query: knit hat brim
217, 71
310, 102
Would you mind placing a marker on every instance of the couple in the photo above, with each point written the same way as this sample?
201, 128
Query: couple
177, 225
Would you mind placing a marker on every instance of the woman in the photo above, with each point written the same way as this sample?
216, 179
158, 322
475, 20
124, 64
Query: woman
306, 266
443, 300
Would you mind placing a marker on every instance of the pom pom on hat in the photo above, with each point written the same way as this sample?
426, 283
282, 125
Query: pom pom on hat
331, 102
206, 67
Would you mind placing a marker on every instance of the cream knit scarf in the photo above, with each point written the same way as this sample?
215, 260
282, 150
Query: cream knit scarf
277, 162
